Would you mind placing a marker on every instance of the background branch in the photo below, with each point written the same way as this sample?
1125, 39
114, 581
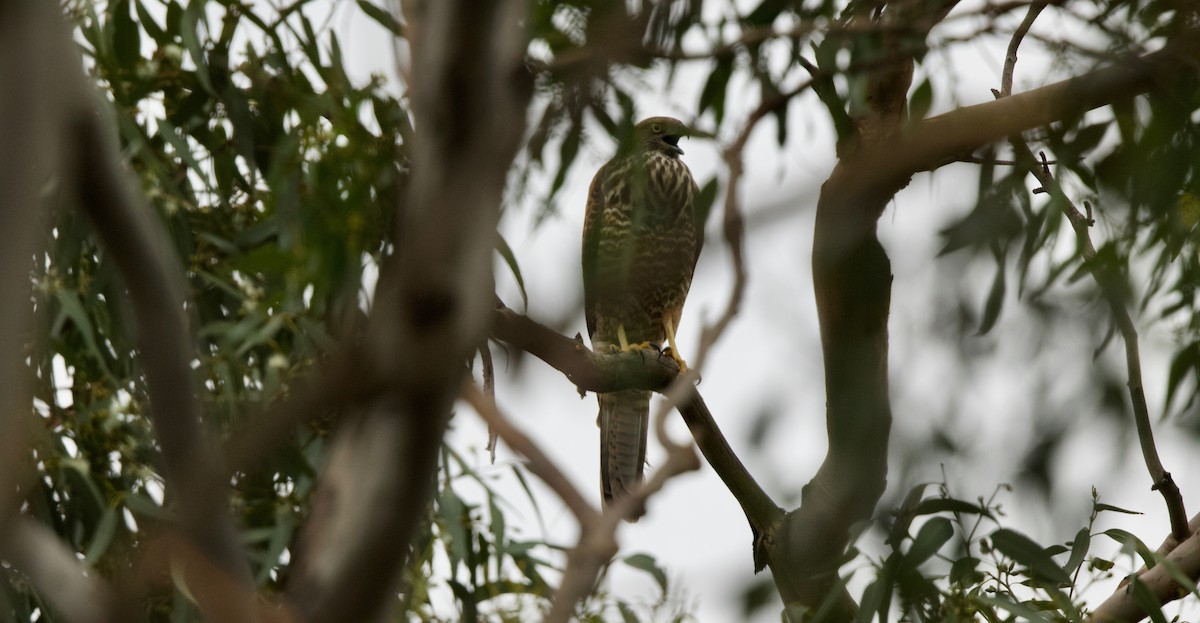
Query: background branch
1109, 285
1114, 296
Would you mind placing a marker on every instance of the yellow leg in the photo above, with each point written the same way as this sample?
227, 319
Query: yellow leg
670, 330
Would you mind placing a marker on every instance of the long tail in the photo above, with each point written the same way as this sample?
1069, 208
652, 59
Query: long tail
624, 420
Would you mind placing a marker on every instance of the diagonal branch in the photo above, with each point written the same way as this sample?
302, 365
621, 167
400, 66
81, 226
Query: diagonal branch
945, 138
1182, 559
1108, 283
616, 371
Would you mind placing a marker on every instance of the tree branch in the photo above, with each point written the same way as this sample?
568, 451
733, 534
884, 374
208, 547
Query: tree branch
631, 370
948, 136
1108, 284
60, 578
469, 94
35, 76
589, 371
139, 247
1183, 560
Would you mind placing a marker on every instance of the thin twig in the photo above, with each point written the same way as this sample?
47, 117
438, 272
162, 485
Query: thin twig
1010, 58
1108, 283
489, 389
597, 542
1109, 286
733, 224
539, 463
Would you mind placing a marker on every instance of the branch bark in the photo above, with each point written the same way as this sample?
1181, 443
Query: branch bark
1180, 559
469, 94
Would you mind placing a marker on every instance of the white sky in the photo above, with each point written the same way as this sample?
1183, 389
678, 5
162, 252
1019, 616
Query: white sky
770, 357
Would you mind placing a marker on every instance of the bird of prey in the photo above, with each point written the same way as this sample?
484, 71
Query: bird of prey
641, 240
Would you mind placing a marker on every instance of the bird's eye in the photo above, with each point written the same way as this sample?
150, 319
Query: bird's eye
656, 128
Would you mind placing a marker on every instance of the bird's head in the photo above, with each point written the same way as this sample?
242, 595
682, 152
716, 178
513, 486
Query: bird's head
662, 134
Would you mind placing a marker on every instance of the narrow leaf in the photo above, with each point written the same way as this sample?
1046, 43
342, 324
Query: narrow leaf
1025, 551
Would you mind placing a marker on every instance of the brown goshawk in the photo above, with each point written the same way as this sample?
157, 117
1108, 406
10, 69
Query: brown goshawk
641, 240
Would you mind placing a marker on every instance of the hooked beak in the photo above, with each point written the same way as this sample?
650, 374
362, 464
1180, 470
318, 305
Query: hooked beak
673, 141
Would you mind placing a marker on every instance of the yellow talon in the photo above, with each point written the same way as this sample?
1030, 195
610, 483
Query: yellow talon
625, 345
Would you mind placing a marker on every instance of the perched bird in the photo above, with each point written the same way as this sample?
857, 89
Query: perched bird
641, 240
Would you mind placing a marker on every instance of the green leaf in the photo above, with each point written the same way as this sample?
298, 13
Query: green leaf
189, 31
72, 308
713, 94
567, 151
963, 572
1128, 540
103, 535
127, 41
510, 258
382, 16
1185, 361
871, 602
1147, 600
929, 506
1021, 610
263, 334
1079, 549
995, 300
178, 142
646, 563
930, 538
150, 26
141, 504
1025, 551
627, 613
1100, 508
453, 512
1087, 137
921, 101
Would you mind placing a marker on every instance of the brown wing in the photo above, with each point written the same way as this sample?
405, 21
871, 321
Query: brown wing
593, 228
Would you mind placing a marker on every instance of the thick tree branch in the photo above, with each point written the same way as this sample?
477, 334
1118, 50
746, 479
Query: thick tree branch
469, 94
589, 371
947, 137
1182, 559
35, 76
153, 276
852, 281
